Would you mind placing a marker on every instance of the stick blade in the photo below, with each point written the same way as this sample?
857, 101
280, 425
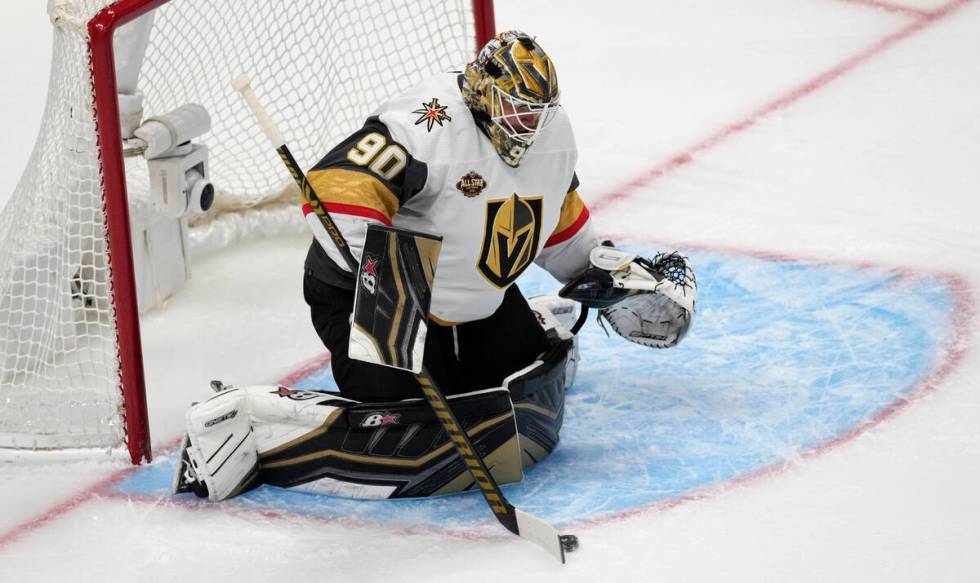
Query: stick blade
392, 294
539, 532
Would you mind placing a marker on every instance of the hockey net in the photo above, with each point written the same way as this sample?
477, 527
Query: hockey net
65, 318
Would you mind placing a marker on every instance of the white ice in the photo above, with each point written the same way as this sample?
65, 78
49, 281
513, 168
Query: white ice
833, 130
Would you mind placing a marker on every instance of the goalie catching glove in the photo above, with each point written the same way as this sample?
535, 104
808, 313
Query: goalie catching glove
647, 301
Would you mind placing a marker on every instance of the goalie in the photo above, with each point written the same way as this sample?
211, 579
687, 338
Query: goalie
452, 157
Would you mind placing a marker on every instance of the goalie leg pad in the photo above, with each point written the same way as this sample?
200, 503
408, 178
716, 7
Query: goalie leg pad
321, 442
538, 393
389, 450
220, 448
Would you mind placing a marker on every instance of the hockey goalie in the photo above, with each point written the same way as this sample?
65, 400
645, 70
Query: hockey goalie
483, 162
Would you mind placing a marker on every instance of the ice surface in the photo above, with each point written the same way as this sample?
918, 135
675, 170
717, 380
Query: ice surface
771, 375
818, 424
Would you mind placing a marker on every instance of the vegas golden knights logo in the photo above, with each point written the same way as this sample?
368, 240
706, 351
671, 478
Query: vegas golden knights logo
511, 237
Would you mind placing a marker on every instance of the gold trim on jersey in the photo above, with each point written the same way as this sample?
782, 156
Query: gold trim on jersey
571, 208
429, 255
342, 186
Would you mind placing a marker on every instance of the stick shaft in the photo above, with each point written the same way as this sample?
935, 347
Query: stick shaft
461, 441
310, 194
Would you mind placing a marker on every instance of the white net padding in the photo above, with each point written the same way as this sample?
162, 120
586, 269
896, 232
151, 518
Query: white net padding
319, 66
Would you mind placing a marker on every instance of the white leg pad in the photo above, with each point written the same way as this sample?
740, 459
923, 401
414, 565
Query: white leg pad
281, 415
222, 445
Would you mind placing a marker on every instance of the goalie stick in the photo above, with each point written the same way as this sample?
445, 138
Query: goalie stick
524, 525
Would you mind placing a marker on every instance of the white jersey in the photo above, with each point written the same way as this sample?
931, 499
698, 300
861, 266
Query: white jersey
422, 163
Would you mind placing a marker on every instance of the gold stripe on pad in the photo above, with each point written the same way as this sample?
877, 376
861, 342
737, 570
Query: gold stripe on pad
393, 356
305, 437
538, 409
330, 453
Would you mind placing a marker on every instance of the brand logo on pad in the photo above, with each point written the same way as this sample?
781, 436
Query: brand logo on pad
380, 419
432, 113
225, 417
295, 395
369, 274
472, 184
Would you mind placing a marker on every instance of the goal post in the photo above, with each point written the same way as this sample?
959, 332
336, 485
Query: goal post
72, 265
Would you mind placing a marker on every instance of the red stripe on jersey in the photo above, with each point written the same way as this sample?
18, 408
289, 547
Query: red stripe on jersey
350, 209
569, 232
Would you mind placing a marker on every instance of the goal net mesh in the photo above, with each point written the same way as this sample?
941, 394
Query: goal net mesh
319, 66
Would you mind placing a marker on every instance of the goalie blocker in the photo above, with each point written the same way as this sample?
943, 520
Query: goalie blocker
321, 442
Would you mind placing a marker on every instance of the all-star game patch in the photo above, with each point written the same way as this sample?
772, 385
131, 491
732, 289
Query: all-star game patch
471, 184
432, 113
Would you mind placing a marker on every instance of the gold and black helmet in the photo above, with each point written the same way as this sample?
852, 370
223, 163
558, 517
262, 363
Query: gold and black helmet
512, 89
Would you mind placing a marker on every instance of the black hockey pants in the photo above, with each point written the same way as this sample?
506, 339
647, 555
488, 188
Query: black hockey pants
467, 357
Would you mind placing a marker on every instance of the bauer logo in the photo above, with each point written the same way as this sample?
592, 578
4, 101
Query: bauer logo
471, 184
369, 274
295, 395
541, 319
380, 419
225, 417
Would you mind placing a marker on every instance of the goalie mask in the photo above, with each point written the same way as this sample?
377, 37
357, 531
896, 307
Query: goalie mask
512, 90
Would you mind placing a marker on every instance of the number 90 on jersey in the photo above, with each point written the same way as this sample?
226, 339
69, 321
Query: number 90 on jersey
374, 152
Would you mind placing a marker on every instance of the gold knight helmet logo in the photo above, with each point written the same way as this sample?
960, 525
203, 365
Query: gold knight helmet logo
511, 237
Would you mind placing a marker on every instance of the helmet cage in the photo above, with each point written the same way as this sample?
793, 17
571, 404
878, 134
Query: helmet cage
521, 120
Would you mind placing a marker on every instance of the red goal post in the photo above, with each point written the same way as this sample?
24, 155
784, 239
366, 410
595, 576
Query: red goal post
115, 205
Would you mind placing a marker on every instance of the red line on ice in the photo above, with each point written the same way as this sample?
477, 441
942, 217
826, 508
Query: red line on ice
56, 512
893, 8
686, 156
306, 369
104, 488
